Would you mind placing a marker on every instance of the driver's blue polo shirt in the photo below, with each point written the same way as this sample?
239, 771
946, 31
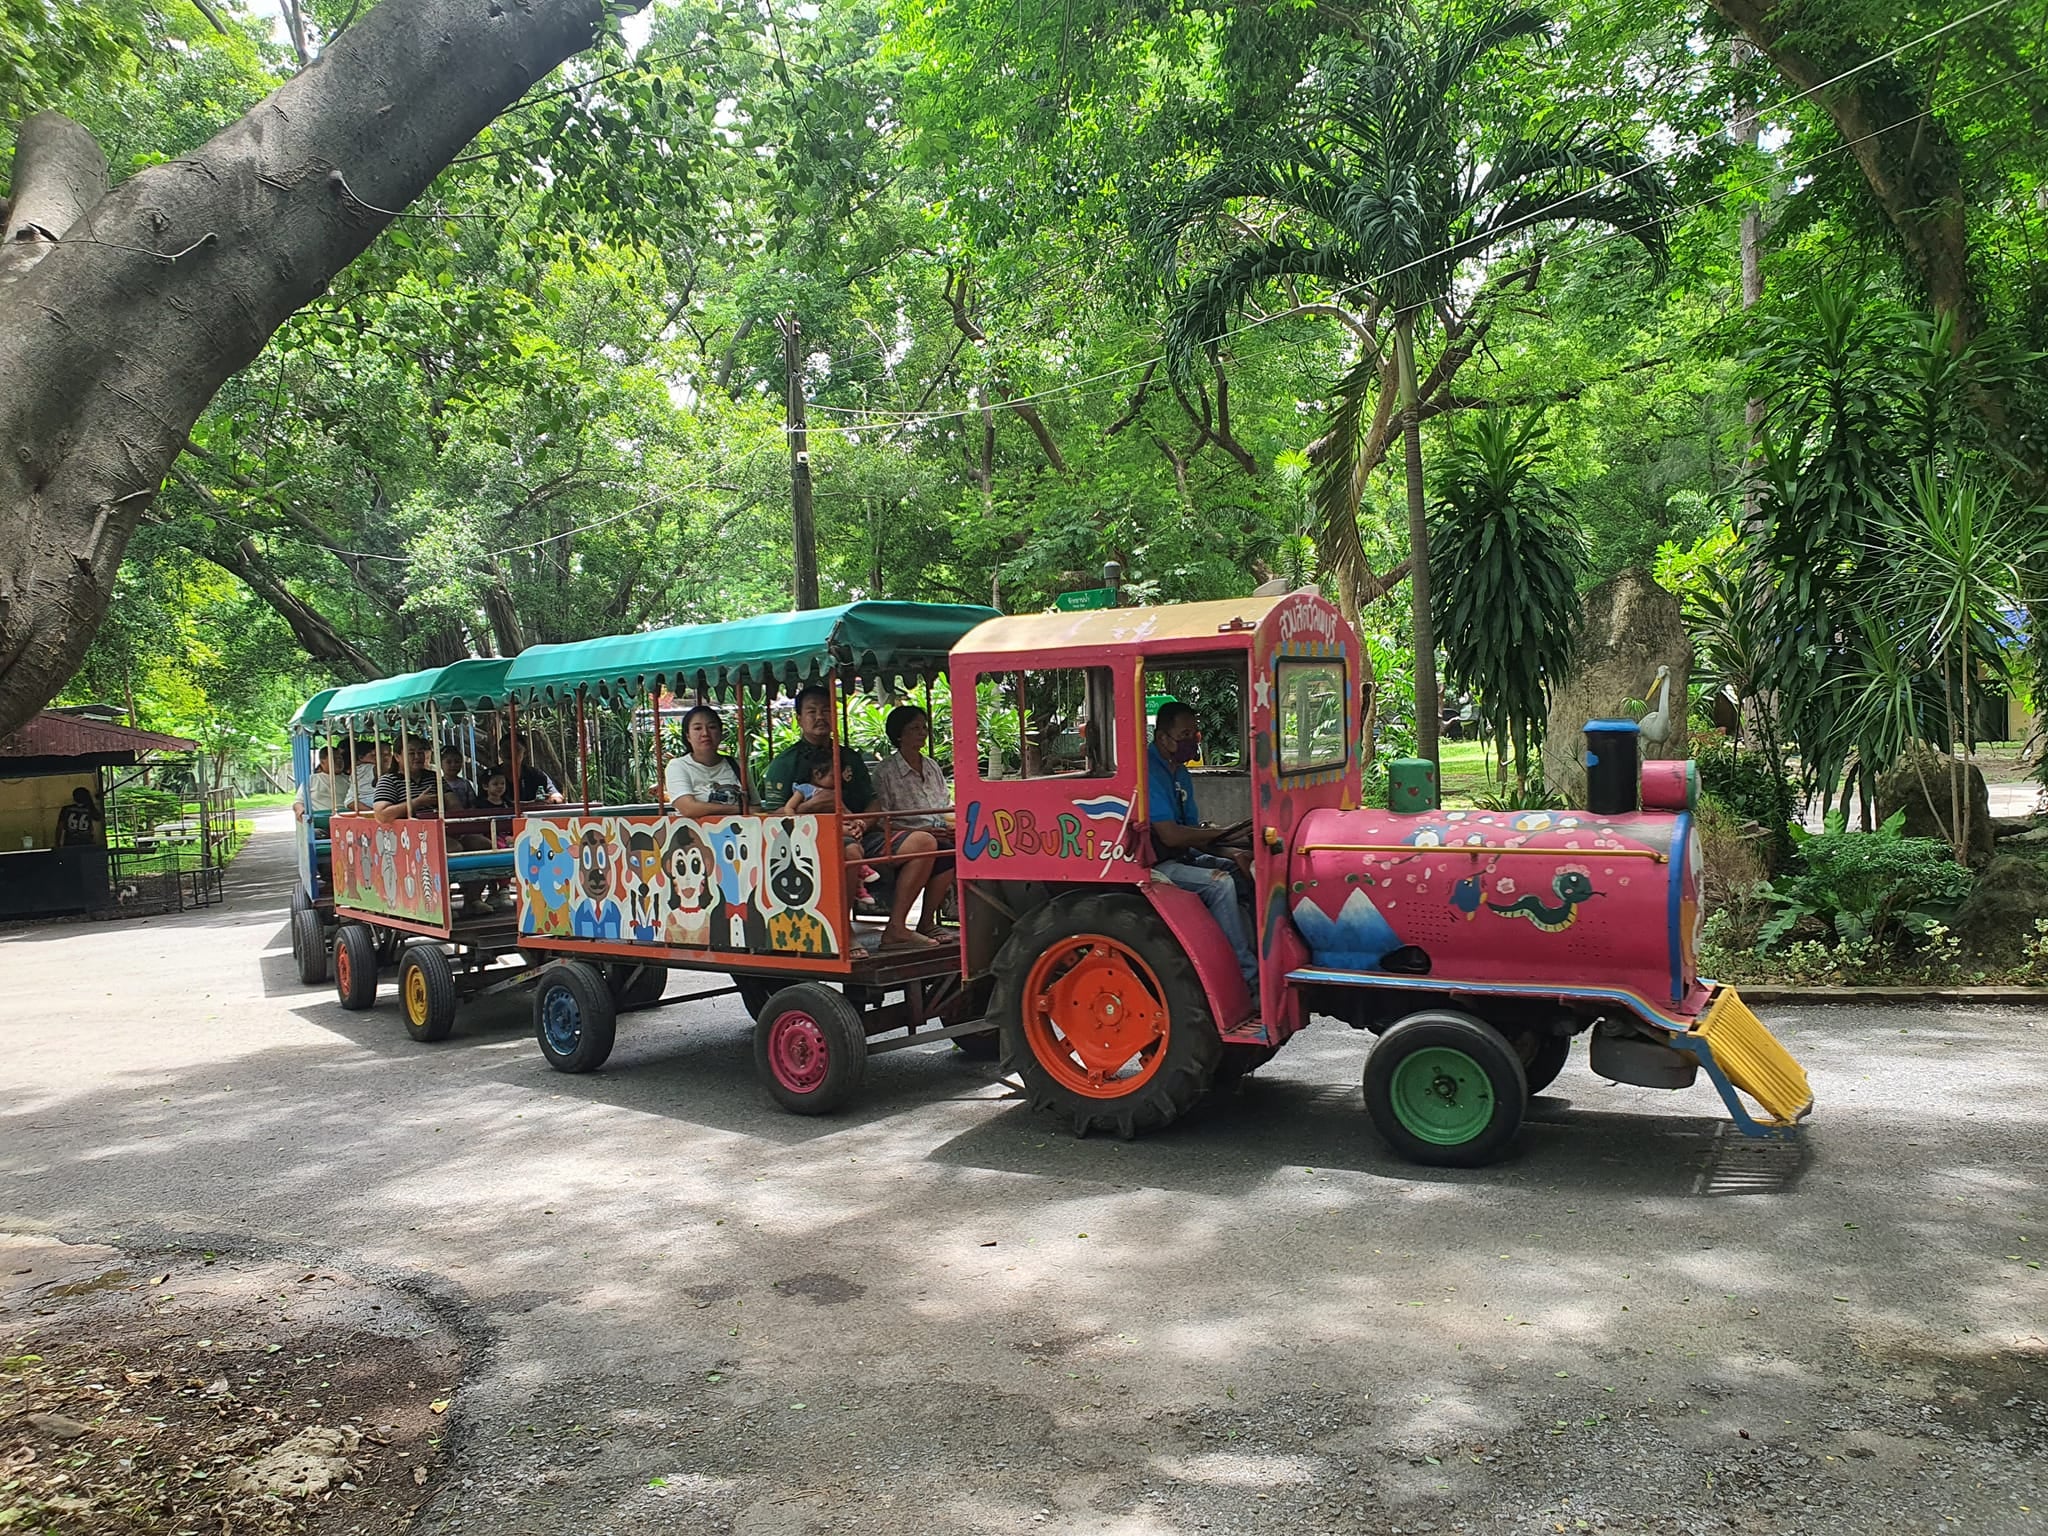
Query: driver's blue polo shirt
1169, 791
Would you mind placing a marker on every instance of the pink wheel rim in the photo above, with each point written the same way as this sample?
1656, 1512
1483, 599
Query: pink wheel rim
797, 1052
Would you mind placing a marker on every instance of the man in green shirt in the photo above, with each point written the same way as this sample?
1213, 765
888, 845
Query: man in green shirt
909, 852
793, 764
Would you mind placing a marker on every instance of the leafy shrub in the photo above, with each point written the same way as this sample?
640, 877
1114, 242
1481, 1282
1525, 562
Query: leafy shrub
1864, 886
1393, 670
1743, 784
1531, 797
1736, 859
2034, 967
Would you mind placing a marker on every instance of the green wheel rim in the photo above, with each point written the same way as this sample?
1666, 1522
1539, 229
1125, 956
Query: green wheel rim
1441, 1096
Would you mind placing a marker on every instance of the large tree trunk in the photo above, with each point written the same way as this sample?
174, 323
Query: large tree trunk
1908, 158
113, 343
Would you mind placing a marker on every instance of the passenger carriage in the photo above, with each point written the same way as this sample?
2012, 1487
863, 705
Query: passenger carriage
312, 904
759, 896
395, 882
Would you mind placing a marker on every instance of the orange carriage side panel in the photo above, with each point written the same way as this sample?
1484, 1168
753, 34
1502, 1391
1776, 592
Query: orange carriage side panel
721, 889
392, 869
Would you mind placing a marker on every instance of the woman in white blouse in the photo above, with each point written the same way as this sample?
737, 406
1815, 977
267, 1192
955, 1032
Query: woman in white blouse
913, 789
703, 781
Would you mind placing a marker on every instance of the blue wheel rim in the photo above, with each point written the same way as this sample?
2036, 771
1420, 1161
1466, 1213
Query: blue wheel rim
561, 1020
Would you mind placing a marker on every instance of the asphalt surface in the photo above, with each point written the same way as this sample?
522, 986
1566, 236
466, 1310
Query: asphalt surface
939, 1312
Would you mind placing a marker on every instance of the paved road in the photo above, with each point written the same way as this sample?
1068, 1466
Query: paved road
940, 1312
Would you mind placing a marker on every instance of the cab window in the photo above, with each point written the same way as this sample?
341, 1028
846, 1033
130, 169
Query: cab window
1309, 715
1214, 689
1053, 723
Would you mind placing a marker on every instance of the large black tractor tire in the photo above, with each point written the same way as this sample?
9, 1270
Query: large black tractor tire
635, 986
355, 965
426, 992
810, 1049
309, 946
1446, 1089
1102, 1015
573, 1017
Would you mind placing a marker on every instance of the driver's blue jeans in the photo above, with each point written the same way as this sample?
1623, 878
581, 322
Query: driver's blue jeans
1213, 881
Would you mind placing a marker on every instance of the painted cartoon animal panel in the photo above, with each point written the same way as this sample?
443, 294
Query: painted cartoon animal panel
690, 876
796, 921
390, 869
738, 885
598, 913
737, 922
545, 861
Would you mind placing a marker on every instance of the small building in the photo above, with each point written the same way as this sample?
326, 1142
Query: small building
42, 765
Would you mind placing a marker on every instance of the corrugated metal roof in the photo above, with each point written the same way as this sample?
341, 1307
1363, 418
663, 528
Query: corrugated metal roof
51, 734
1059, 634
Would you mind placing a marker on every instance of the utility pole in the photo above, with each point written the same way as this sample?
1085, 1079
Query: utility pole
802, 523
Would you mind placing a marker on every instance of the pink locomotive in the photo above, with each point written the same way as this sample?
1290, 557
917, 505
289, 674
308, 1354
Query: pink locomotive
1475, 945
1164, 868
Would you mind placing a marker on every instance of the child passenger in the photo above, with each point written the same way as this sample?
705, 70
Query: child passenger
805, 791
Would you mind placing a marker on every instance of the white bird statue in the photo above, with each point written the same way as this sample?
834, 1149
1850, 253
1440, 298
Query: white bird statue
1655, 725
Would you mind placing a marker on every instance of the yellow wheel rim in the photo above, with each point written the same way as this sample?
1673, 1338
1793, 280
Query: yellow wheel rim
416, 995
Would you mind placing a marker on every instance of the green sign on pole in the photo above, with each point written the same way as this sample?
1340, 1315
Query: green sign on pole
1087, 597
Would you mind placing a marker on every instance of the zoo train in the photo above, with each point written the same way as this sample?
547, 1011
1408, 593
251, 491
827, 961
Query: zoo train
1474, 946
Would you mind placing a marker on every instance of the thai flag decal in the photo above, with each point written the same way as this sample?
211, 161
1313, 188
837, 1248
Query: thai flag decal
1108, 808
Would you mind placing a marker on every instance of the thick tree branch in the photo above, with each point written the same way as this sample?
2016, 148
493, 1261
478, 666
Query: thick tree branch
113, 343
243, 560
1915, 175
956, 301
1137, 402
59, 174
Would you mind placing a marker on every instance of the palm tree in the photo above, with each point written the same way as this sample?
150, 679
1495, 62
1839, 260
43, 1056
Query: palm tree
1508, 605
1386, 183
1955, 579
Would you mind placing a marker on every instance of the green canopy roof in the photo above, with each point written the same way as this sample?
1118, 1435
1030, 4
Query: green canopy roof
877, 640
475, 682
310, 711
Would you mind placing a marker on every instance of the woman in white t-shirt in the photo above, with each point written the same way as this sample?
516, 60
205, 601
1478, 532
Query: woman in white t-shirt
703, 781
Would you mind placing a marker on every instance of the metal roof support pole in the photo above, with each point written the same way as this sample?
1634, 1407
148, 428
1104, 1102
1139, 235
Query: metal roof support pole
405, 757
582, 752
746, 773
440, 783
512, 746
660, 762
839, 800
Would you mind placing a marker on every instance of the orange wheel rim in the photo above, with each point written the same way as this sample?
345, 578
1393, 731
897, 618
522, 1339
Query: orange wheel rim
1095, 1016
416, 995
341, 965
